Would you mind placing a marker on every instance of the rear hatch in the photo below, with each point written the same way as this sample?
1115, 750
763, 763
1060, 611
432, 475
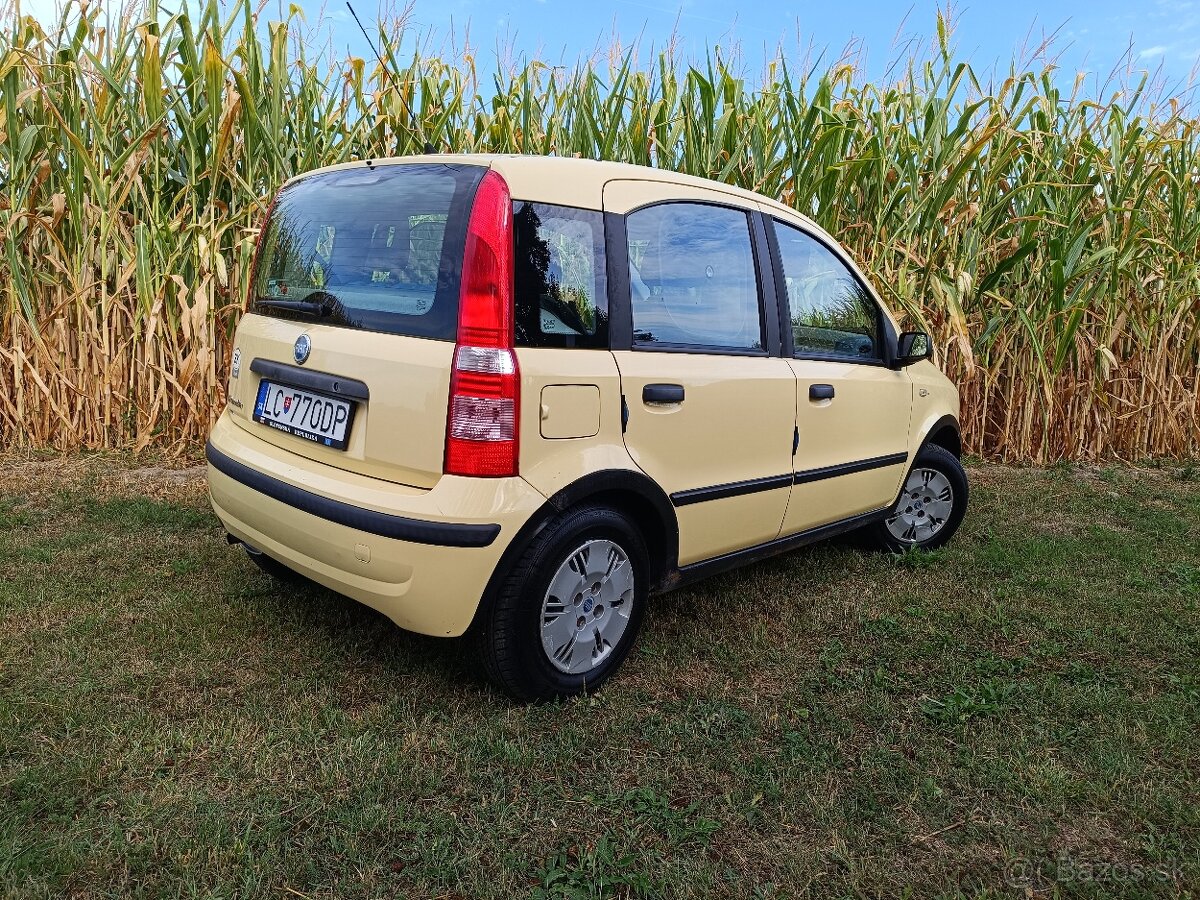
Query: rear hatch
346, 352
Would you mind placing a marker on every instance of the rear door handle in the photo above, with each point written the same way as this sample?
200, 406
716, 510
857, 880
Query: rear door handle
820, 392
662, 393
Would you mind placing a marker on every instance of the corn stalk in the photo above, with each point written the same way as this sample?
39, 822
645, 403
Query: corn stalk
1049, 242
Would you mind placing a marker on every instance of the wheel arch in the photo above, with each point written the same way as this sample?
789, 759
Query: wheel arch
629, 492
636, 495
945, 433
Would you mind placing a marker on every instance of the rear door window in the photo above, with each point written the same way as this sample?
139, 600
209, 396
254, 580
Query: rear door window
379, 249
692, 278
560, 279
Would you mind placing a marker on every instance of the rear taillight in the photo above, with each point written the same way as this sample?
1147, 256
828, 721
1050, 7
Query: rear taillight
481, 426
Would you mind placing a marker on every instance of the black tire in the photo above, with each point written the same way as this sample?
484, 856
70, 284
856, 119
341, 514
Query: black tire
507, 635
939, 460
272, 566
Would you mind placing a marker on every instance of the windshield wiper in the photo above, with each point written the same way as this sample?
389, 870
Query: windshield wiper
301, 306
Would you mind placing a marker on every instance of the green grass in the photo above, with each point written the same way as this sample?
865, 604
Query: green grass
1022, 704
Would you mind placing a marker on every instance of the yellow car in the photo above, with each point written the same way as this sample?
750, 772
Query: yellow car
515, 396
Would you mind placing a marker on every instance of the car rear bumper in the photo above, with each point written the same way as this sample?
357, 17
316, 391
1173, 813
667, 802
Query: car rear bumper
423, 558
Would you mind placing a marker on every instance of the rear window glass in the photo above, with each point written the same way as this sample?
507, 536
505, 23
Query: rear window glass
379, 249
560, 278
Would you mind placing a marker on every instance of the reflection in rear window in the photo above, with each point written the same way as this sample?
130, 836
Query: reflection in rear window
379, 249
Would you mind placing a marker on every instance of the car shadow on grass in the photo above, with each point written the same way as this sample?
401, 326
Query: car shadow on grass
340, 634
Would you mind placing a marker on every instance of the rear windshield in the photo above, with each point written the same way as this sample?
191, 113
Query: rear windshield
379, 249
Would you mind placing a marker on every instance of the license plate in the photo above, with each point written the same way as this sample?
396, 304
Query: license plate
314, 417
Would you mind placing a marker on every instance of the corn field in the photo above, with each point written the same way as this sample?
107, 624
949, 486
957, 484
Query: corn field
1048, 240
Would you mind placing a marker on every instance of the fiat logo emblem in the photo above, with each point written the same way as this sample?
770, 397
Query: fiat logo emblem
301, 350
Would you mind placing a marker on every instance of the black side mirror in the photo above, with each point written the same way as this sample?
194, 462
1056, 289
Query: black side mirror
912, 347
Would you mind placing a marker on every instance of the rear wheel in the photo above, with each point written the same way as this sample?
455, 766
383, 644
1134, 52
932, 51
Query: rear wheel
567, 615
930, 507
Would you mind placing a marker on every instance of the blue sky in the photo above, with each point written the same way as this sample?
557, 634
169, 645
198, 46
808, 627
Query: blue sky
1093, 36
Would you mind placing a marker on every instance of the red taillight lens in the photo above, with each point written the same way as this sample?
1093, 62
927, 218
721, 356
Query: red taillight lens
482, 422
485, 312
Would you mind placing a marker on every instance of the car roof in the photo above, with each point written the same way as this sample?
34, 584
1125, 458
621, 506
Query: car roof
559, 179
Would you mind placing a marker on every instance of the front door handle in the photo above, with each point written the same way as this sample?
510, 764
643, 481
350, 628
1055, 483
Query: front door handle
662, 393
820, 392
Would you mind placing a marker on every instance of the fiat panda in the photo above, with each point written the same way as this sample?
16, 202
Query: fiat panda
513, 397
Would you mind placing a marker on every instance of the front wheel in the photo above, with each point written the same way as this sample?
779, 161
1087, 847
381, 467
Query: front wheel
931, 505
566, 617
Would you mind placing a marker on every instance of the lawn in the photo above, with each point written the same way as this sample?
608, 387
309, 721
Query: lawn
1020, 711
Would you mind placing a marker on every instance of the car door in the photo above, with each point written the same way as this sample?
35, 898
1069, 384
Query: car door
710, 411
852, 409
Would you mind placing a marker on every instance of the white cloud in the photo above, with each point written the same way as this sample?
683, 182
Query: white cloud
1151, 52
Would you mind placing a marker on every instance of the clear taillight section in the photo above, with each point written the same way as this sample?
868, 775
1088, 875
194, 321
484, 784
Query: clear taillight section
481, 427
483, 402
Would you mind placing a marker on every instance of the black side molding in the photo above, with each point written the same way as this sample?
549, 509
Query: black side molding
400, 528
350, 388
734, 489
849, 468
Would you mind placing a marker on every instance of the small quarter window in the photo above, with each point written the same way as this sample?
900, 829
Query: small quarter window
692, 277
560, 279
831, 312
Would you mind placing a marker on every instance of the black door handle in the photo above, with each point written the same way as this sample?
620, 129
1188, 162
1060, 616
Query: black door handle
820, 392
662, 393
